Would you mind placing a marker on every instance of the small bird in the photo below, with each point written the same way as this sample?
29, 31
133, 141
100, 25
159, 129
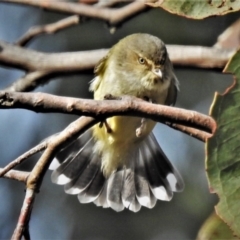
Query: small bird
118, 163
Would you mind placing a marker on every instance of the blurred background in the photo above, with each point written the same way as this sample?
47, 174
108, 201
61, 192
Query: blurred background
60, 216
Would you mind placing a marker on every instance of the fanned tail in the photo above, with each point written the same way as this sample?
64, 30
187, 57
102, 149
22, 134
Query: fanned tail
147, 175
79, 169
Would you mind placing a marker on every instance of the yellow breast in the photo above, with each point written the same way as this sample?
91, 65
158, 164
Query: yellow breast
116, 145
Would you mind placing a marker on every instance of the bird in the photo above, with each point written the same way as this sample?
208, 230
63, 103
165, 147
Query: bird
119, 164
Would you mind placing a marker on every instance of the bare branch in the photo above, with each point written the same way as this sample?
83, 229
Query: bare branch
48, 29
29, 82
23, 157
31, 60
113, 16
198, 56
25, 214
130, 106
42, 65
193, 132
16, 175
230, 38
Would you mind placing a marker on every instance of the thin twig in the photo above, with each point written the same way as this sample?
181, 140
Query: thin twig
23, 157
20, 176
47, 29
113, 16
28, 82
130, 106
193, 132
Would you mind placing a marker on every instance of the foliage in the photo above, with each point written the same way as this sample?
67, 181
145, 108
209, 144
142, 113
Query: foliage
198, 9
223, 165
215, 228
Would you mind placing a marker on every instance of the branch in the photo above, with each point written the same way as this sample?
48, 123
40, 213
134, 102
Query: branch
113, 16
31, 60
41, 66
23, 220
48, 29
230, 38
130, 106
198, 56
20, 176
28, 82
22, 158
196, 133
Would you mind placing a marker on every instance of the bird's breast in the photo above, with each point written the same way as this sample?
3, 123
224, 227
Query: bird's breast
117, 141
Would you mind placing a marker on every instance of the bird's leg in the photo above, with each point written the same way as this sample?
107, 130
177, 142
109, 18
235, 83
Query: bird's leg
105, 123
140, 130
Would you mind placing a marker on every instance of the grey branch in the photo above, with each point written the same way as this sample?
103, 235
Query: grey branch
41, 66
199, 56
130, 106
48, 29
113, 16
22, 158
31, 60
20, 176
24, 217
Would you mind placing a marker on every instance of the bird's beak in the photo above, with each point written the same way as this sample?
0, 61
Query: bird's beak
157, 72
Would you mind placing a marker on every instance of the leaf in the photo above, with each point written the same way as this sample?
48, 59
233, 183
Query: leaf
214, 229
223, 150
197, 9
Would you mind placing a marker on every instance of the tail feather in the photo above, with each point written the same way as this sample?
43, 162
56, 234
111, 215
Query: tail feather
147, 175
160, 188
74, 163
143, 191
92, 192
165, 168
128, 191
114, 190
135, 206
85, 178
101, 201
129, 197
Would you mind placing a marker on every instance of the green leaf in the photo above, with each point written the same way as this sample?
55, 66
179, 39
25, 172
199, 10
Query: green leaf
223, 150
214, 229
197, 9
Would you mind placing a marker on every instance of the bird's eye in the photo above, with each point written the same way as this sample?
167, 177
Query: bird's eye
141, 60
